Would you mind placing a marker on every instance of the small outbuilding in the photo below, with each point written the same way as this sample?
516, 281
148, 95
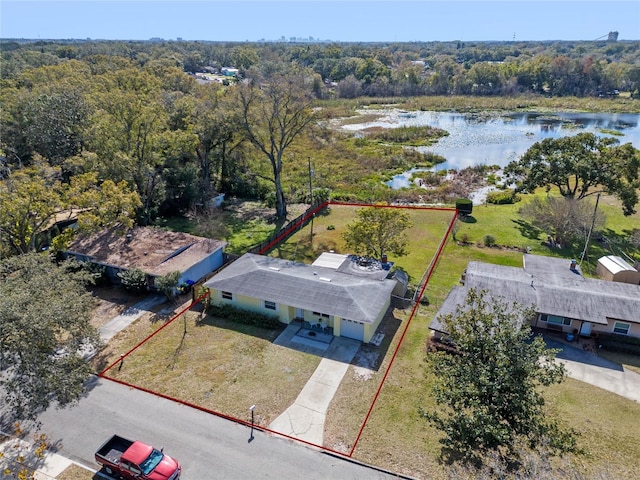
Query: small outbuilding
616, 269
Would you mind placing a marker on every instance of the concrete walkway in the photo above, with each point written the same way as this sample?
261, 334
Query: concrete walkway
126, 318
305, 418
590, 368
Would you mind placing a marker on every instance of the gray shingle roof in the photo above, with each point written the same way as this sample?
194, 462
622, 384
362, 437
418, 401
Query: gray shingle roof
299, 285
552, 287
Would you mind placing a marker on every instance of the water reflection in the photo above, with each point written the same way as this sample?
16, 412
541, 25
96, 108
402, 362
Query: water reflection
477, 139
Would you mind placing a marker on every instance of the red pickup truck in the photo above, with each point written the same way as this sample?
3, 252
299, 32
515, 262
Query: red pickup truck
122, 458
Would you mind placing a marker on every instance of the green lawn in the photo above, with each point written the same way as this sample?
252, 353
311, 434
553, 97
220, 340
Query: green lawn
324, 234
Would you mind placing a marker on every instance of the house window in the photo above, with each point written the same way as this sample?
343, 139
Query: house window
269, 305
227, 295
323, 315
555, 319
621, 328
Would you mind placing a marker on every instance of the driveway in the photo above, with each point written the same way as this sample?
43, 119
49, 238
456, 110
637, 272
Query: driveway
305, 418
590, 368
127, 317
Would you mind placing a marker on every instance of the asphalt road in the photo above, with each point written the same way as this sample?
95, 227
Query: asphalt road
207, 446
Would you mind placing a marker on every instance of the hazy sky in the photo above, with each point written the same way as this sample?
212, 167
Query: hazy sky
349, 21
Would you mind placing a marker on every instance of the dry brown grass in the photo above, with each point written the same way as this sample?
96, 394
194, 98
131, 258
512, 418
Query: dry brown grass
214, 364
231, 360
75, 472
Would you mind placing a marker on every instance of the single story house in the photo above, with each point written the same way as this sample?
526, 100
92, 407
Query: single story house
152, 250
339, 298
229, 71
564, 300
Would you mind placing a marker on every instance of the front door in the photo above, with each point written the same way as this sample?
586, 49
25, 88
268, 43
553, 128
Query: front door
585, 329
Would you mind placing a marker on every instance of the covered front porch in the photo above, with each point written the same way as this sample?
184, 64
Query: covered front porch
318, 327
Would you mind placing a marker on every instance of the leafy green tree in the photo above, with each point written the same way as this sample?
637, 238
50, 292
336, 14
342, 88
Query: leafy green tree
45, 327
134, 280
580, 166
489, 393
274, 113
55, 122
168, 283
217, 125
32, 199
371, 69
131, 135
378, 231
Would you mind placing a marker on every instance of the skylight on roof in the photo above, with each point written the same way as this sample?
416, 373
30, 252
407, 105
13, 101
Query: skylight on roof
274, 268
325, 279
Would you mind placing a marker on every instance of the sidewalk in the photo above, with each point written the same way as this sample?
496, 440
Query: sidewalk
18, 454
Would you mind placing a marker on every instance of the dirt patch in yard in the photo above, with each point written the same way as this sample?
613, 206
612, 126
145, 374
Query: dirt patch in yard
246, 210
110, 301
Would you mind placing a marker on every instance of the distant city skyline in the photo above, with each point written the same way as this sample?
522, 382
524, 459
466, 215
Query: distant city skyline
322, 20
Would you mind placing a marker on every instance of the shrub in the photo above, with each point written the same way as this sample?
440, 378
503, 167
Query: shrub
133, 280
489, 241
464, 206
464, 238
620, 343
246, 317
97, 272
331, 227
168, 284
503, 197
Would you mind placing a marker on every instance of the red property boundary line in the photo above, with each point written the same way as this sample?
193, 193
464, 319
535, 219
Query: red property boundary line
125, 355
406, 327
284, 234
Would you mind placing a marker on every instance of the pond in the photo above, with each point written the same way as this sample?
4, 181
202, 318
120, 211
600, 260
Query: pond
496, 140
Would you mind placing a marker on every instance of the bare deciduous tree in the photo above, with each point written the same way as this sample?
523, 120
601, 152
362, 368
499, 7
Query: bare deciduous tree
274, 113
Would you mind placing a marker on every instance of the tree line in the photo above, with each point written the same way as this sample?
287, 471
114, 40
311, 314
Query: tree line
127, 118
349, 70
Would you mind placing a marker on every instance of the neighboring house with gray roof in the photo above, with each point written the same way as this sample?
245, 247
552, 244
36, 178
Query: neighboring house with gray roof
564, 300
348, 304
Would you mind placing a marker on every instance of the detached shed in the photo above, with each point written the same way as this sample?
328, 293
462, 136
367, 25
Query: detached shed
615, 269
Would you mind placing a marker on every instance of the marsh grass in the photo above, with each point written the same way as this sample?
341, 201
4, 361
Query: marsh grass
521, 102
